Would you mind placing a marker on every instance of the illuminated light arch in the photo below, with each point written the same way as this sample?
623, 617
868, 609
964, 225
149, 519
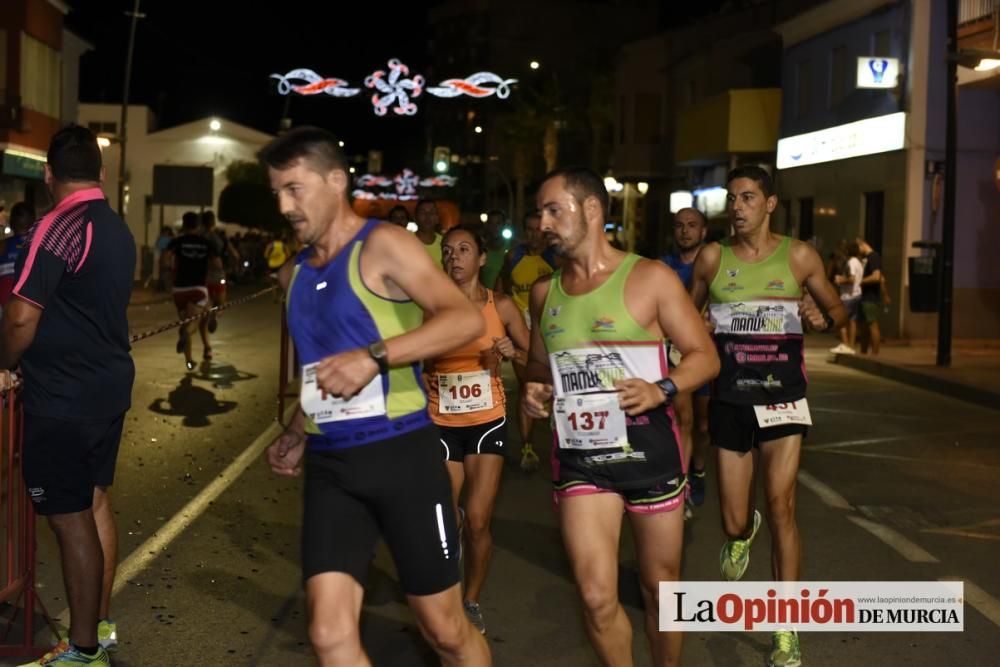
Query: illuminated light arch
395, 89
473, 86
404, 184
314, 84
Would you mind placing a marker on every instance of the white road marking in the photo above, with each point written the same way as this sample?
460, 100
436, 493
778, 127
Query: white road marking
896, 540
985, 604
161, 539
825, 492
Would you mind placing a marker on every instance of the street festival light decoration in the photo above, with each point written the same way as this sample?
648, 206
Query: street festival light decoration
394, 89
404, 185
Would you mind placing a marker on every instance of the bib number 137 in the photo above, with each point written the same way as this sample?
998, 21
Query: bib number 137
591, 421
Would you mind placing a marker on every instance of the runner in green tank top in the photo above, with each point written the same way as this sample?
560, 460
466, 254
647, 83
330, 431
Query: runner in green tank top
753, 284
598, 354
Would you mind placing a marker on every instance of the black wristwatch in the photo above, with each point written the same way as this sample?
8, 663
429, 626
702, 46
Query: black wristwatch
828, 321
378, 352
668, 387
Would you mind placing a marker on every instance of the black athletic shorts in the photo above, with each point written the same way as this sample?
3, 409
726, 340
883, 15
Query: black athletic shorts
461, 441
397, 488
734, 427
64, 460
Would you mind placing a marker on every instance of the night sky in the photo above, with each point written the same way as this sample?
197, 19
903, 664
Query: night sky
191, 61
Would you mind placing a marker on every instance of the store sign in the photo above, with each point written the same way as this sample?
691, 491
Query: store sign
877, 72
863, 137
25, 165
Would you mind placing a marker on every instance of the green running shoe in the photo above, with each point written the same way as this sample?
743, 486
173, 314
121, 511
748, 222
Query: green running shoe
785, 649
65, 654
735, 556
107, 635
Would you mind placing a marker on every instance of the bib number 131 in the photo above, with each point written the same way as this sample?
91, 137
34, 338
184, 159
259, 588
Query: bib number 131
591, 421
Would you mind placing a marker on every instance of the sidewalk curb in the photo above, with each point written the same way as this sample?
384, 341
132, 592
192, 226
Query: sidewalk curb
915, 378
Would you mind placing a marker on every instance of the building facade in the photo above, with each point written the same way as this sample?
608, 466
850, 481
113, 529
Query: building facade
210, 142
862, 148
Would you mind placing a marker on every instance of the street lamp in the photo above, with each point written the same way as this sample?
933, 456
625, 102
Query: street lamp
642, 187
340, 143
479, 129
215, 125
534, 64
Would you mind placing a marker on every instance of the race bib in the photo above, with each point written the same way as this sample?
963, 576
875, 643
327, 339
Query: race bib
590, 421
369, 403
464, 392
796, 412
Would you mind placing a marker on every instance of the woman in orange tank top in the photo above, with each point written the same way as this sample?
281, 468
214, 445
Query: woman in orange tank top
466, 400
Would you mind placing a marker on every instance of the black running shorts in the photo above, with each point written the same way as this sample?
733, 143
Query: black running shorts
64, 460
734, 427
461, 441
397, 488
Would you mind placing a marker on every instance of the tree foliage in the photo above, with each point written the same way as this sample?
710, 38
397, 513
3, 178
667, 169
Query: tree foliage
247, 199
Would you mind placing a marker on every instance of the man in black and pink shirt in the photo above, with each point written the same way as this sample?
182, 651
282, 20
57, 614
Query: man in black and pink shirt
66, 326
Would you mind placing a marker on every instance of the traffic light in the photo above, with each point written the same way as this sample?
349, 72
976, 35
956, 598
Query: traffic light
442, 159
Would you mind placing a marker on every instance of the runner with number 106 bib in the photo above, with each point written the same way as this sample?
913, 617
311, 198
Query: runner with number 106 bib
467, 401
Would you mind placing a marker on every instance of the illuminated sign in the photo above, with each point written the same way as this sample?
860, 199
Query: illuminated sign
711, 201
877, 72
404, 185
864, 137
680, 199
394, 90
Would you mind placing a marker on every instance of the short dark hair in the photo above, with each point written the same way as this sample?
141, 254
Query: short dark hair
475, 231
208, 219
853, 249
424, 202
74, 155
399, 207
316, 146
533, 213
582, 182
190, 220
22, 216
754, 173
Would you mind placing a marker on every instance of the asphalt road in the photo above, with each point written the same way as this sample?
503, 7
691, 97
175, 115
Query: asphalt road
897, 484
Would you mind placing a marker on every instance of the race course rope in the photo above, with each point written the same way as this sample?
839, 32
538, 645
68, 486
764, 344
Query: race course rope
214, 309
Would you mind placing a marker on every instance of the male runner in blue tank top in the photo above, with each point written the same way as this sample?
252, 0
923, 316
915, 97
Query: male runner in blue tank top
365, 305
690, 229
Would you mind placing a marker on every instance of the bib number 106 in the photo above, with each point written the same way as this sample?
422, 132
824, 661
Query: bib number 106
465, 391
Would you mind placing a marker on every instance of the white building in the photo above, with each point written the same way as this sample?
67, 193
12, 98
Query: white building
192, 144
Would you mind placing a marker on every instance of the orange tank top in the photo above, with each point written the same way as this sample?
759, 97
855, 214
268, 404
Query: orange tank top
464, 387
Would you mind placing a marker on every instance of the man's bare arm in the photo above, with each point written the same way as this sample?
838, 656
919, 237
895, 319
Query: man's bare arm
20, 323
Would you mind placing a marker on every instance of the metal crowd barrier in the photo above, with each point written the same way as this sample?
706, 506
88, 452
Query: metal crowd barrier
17, 559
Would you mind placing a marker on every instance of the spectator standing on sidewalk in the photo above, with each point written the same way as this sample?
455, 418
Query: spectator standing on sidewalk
77, 268
848, 282
871, 297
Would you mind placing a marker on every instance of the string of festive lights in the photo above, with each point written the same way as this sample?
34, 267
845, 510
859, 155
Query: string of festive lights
395, 89
404, 183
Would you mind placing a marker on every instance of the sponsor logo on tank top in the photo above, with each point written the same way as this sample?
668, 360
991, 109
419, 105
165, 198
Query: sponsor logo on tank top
603, 324
754, 383
589, 372
776, 285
